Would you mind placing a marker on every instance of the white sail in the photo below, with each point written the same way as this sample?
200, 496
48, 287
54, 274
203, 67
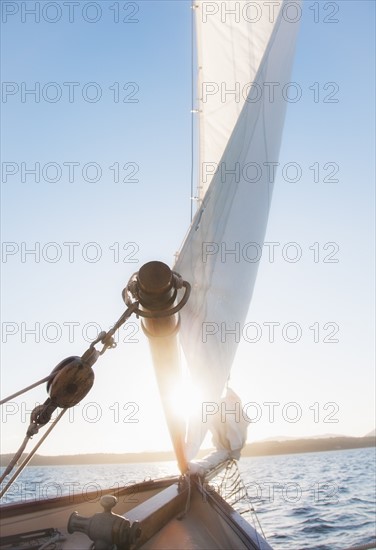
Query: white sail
242, 134
232, 38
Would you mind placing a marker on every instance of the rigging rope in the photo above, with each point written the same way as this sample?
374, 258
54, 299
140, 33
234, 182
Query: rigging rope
30, 455
193, 111
41, 414
71, 380
28, 388
231, 487
68, 384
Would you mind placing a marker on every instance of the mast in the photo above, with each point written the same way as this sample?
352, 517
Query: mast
157, 291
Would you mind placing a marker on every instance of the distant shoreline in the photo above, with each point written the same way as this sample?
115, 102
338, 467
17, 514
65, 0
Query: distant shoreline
260, 448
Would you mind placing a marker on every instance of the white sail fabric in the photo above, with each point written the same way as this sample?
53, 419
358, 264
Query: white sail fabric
221, 253
229, 437
232, 38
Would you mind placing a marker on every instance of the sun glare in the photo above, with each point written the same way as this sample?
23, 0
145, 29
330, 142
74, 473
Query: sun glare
185, 399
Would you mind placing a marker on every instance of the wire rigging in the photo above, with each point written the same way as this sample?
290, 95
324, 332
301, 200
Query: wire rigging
71, 380
30, 455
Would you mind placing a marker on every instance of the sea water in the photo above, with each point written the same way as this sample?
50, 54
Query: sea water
321, 501
324, 501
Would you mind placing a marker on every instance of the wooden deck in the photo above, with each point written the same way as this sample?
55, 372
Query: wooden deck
171, 517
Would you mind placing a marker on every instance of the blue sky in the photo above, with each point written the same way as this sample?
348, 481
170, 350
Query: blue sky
150, 217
